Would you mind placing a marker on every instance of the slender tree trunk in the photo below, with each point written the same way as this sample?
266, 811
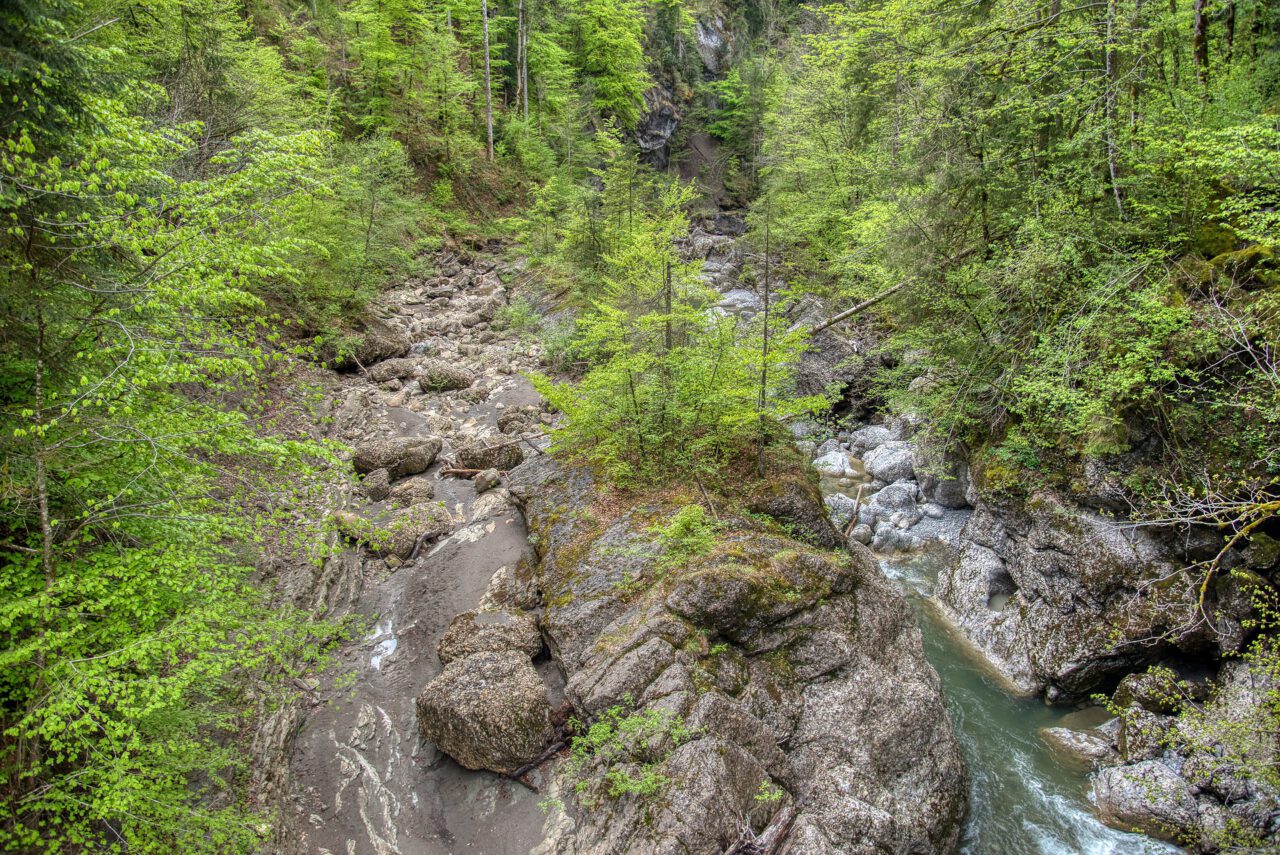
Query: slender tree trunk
763, 401
1231, 29
666, 300
488, 83
519, 52
1112, 153
1200, 41
41, 464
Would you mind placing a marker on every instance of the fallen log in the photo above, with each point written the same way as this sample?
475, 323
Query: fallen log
853, 310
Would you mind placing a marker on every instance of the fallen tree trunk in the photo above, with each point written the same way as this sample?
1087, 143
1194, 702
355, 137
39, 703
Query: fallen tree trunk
850, 312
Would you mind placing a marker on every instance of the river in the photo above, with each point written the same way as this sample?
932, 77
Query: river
1023, 798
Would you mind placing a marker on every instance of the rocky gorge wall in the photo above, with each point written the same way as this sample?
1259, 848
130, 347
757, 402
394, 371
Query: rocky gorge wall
1067, 598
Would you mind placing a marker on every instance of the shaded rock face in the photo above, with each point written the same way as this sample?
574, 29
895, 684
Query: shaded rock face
1054, 594
1148, 797
792, 498
1190, 778
487, 711
658, 124
796, 672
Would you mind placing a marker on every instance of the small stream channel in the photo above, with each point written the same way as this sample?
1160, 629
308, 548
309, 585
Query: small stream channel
1023, 798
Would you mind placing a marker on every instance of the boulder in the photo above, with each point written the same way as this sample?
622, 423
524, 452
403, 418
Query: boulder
436, 375
833, 463
487, 711
890, 462
396, 532
377, 485
379, 341
869, 438
501, 456
411, 491
840, 509
1148, 797
400, 456
487, 480
794, 500
943, 476
897, 498
1082, 748
490, 631
392, 369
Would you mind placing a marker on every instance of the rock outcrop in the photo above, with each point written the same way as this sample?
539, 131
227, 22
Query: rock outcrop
1063, 599
789, 681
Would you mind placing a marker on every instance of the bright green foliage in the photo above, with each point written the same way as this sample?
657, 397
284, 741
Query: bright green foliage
687, 535
626, 749
1082, 211
131, 263
672, 385
611, 53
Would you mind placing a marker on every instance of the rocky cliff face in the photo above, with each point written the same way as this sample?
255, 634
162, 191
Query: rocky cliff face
796, 677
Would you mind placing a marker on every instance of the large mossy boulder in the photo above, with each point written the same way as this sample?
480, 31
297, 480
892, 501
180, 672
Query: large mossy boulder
487, 711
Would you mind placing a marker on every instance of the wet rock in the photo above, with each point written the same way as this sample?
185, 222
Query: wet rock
1082, 748
833, 463
487, 711
487, 480
436, 375
490, 631
890, 462
392, 369
400, 456
1148, 797
501, 456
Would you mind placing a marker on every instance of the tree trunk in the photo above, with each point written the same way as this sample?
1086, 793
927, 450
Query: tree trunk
1231, 29
519, 52
853, 310
764, 347
1112, 154
666, 300
488, 84
1200, 41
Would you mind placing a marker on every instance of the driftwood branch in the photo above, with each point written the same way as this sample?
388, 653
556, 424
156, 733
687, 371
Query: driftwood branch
857, 506
767, 841
853, 310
